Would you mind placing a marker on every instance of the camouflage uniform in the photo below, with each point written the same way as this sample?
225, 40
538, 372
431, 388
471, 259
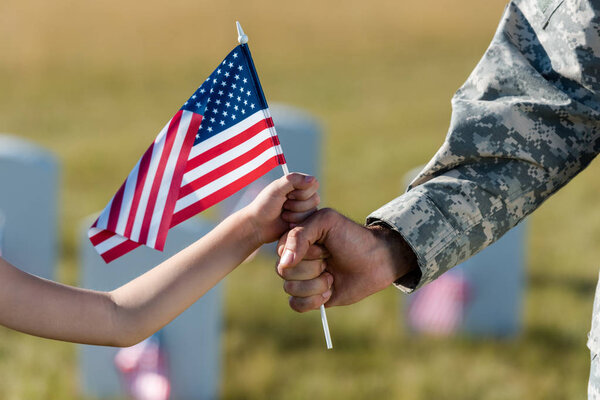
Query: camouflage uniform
525, 123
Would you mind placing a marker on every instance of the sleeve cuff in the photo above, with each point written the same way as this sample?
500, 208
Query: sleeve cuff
426, 230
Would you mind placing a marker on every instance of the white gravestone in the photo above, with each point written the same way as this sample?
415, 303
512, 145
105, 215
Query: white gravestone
192, 342
1, 233
29, 178
481, 297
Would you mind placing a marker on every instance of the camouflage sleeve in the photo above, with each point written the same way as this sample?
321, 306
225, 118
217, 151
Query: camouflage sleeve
526, 122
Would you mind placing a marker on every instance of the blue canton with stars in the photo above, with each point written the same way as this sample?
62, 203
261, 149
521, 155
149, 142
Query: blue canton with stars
228, 96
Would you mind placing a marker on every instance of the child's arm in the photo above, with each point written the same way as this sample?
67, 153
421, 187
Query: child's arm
137, 309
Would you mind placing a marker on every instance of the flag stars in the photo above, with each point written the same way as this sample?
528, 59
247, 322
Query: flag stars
222, 122
227, 104
202, 90
245, 80
194, 96
219, 71
230, 64
245, 102
234, 55
225, 113
214, 81
211, 90
237, 77
230, 95
215, 111
227, 74
243, 111
248, 93
233, 86
235, 108
252, 106
240, 68
223, 83
220, 93
209, 129
242, 89
198, 105
239, 98
218, 102
232, 116
212, 120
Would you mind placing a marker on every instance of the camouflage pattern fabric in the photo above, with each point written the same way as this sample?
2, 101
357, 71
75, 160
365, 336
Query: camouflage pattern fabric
594, 381
525, 123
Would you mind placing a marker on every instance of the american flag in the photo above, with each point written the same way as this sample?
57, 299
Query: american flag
221, 139
438, 308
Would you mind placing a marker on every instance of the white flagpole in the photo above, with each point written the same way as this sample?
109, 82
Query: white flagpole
243, 41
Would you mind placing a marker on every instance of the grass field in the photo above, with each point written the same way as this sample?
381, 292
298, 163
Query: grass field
94, 81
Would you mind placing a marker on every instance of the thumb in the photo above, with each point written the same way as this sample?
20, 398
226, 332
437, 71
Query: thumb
299, 240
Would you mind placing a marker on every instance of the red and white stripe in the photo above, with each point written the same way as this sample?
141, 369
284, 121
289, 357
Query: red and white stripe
225, 163
163, 191
438, 308
142, 209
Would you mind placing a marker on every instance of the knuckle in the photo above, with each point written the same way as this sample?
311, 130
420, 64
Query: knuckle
288, 287
284, 272
317, 198
296, 233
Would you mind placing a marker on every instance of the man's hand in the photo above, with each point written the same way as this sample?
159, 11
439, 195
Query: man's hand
333, 260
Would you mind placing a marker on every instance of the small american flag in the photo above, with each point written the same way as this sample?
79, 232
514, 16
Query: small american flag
222, 139
439, 307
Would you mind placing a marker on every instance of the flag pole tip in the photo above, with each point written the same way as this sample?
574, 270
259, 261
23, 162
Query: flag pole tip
242, 37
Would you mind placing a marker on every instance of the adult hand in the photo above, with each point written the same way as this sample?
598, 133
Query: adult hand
330, 259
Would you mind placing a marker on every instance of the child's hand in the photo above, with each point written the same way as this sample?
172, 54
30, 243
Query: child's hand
288, 200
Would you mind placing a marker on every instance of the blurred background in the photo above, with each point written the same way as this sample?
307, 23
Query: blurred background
95, 81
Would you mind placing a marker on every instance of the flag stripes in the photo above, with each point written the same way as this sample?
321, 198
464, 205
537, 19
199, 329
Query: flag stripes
216, 168
221, 139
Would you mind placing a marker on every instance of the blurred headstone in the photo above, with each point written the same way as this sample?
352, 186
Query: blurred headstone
191, 342
481, 297
1, 232
29, 178
301, 139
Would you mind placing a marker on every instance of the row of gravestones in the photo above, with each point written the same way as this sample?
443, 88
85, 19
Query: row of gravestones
29, 177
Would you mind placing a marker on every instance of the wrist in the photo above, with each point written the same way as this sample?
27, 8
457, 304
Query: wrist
396, 256
249, 229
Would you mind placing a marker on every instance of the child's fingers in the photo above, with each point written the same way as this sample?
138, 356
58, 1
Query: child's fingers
291, 182
304, 194
297, 217
303, 188
302, 205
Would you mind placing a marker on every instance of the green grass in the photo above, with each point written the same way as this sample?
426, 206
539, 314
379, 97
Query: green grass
94, 81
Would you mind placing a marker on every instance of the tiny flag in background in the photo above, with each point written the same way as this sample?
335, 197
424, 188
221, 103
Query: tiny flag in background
221, 139
439, 307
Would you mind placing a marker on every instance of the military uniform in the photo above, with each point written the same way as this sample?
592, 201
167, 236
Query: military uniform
526, 121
